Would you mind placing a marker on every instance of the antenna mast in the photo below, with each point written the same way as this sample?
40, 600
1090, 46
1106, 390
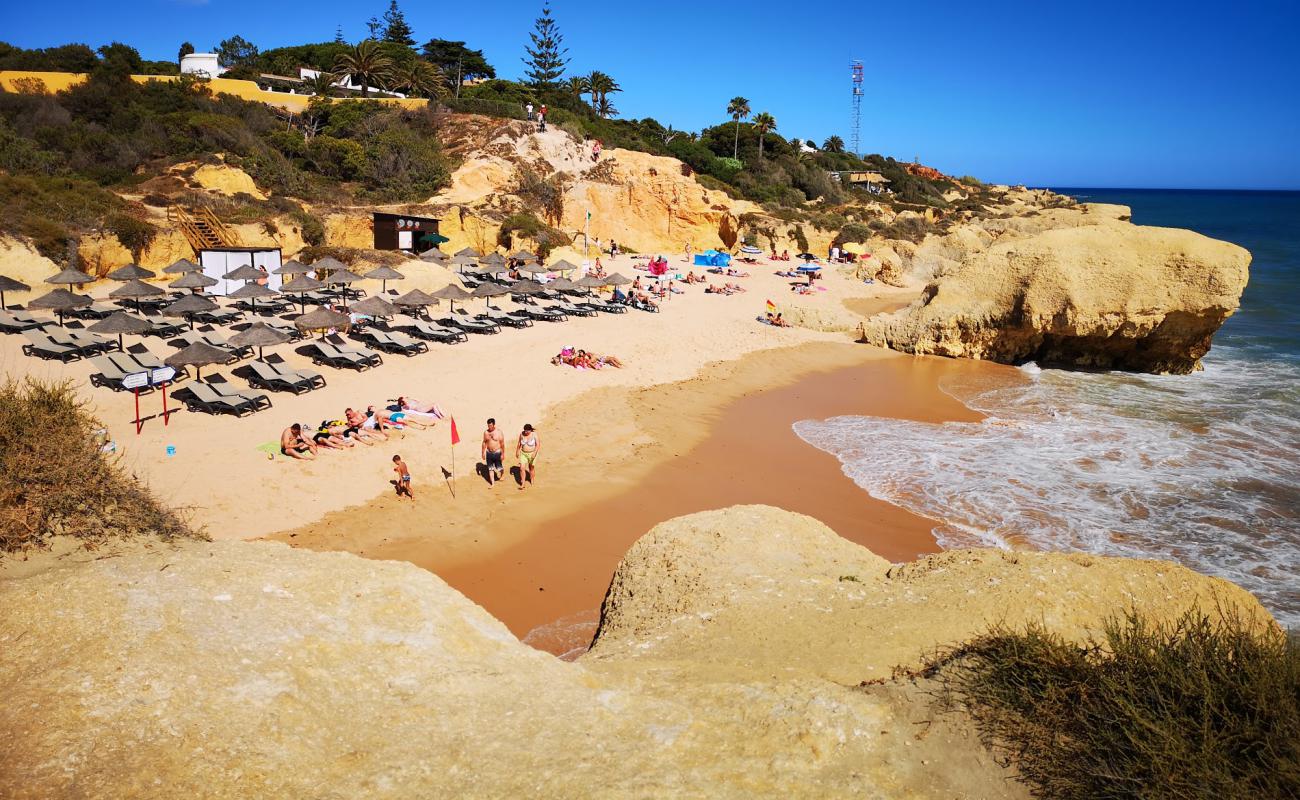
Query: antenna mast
856, 130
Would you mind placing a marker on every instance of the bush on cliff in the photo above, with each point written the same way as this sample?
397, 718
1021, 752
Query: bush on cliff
55, 479
1196, 708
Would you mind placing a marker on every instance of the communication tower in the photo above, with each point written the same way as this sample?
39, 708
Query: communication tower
856, 131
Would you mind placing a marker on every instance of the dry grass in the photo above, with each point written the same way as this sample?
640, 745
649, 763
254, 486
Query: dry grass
1197, 708
54, 479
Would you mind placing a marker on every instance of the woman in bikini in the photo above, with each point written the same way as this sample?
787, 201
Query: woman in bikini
526, 451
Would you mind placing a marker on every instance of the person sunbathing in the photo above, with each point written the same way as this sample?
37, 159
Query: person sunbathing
394, 419
644, 300
691, 277
731, 273
294, 445
611, 361
365, 428
343, 429
785, 255
425, 412
328, 436
779, 321
732, 288
711, 289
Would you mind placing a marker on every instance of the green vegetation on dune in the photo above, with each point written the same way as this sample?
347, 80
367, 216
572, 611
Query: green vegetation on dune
1196, 708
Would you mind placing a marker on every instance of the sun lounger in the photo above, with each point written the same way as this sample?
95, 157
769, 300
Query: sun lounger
19, 321
207, 337
219, 316
470, 325
575, 311
288, 330
390, 342
266, 305
265, 376
503, 318
604, 305
223, 387
92, 311
162, 327
206, 398
113, 370
89, 342
546, 314
278, 364
41, 346
345, 357
435, 333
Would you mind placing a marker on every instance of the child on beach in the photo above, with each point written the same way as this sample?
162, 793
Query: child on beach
403, 482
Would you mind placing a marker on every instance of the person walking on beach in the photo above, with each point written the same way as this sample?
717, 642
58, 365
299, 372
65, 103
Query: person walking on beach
527, 450
529, 108
403, 482
494, 446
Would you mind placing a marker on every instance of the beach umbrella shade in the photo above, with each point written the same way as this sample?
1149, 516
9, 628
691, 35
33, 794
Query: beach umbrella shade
375, 307
435, 239
526, 287
464, 261
534, 268
414, 299
561, 284
135, 289
490, 289
385, 274
468, 251
247, 272
60, 300
120, 322
252, 291
182, 265
197, 355
342, 275
617, 279
259, 335
8, 284
434, 254
193, 280
522, 255
563, 265
188, 306
495, 259
328, 264
68, 277
451, 292
130, 272
590, 281
321, 319
293, 268
302, 285
809, 268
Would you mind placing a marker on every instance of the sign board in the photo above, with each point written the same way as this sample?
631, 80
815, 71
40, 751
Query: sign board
135, 380
162, 375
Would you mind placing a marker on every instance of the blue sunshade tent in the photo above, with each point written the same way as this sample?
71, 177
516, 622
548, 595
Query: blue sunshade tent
712, 258
809, 268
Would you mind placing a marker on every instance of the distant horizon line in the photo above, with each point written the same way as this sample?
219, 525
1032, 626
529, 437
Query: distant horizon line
1165, 189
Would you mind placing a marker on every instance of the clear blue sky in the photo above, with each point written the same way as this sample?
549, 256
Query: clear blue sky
1141, 93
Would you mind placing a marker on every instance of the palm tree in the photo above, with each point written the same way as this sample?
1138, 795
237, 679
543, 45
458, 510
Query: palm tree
578, 85
322, 85
833, 145
600, 86
605, 108
367, 63
764, 123
421, 79
737, 109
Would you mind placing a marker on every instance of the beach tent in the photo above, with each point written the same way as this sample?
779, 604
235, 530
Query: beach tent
712, 258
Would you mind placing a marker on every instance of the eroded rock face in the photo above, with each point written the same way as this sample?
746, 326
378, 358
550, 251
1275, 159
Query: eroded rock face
1075, 290
728, 665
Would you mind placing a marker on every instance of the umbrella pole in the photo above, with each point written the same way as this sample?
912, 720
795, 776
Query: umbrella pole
3, 307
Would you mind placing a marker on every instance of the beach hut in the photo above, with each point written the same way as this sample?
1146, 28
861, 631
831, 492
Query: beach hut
120, 322
8, 284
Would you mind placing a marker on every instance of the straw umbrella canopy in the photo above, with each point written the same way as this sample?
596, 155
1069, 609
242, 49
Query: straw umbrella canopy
486, 269
563, 265
182, 265
197, 355
452, 292
534, 268
526, 287
8, 284
563, 284
321, 319
302, 284
135, 289
522, 255
60, 300
68, 277
435, 255
489, 289
495, 259
591, 281
246, 272
375, 307
616, 279
193, 280
385, 274
252, 291
293, 267
415, 299
259, 335
343, 275
130, 272
468, 251
464, 261
120, 322
188, 306
328, 264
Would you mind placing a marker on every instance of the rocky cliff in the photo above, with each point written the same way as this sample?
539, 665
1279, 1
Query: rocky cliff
1077, 287
729, 663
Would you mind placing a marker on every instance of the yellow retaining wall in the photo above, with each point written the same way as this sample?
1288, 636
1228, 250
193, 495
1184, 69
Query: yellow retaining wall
248, 90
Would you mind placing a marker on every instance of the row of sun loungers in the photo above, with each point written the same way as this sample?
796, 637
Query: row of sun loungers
277, 377
342, 357
214, 399
19, 321
114, 367
65, 345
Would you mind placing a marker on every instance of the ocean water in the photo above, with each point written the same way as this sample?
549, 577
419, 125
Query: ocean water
1201, 469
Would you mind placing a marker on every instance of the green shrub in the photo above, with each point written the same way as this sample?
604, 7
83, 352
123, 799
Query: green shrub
135, 234
488, 108
853, 232
1195, 708
55, 479
312, 229
528, 226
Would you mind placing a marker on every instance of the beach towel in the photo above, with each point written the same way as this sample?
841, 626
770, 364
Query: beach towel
272, 449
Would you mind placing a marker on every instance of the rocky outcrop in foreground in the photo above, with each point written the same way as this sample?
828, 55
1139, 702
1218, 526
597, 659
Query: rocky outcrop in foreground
728, 664
1094, 292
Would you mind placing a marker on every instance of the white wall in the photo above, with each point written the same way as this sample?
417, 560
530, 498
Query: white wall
216, 263
201, 64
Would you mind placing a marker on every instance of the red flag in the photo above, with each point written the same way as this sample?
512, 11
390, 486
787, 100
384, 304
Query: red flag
455, 435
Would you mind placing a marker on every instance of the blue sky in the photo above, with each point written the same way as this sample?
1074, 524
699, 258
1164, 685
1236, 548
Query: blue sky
1138, 93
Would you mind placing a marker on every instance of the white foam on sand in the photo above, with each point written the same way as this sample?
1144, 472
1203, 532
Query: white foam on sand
1202, 469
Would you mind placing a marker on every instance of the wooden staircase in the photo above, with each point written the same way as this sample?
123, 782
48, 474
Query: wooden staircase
202, 229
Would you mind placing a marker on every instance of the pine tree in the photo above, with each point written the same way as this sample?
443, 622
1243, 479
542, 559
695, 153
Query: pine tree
545, 63
396, 30
338, 35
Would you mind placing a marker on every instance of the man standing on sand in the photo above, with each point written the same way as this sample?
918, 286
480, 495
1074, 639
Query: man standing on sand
494, 446
527, 450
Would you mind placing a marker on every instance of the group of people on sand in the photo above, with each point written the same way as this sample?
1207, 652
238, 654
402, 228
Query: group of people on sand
528, 447
304, 442
582, 359
775, 320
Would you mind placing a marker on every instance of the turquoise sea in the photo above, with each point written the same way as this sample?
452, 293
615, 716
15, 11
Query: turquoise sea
1202, 469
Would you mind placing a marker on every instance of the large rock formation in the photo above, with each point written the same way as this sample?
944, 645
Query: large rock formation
1074, 288
728, 664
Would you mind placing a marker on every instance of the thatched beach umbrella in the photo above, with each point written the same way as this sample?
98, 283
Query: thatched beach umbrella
385, 274
120, 322
617, 279
259, 335
468, 251
563, 265
526, 287
375, 307
343, 275
415, 299
197, 355
8, 284
328, 264
464, 261
252, 291
495, 259
68, 277
532, 269
247, 272
435, 255
135, 289
182, 265
590, 282
522, 255
561, 284
60, 300
302, 284
193, 280
130, 272
452, 292
490, 289
321, 319
188, 306
293, 268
